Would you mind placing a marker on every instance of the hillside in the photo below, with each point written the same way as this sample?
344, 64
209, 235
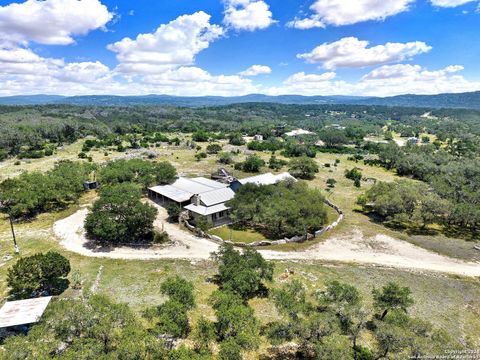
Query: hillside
469, 100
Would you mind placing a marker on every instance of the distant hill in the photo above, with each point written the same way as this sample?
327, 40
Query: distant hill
30, 99
470, 100
194, 101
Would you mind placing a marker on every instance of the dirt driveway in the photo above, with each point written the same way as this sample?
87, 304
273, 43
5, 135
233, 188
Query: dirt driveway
381, 250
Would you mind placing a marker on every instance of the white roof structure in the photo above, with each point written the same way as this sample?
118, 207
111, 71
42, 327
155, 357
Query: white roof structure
23, 312
266, 179
299, 132
206, 210
217, 196
184, 188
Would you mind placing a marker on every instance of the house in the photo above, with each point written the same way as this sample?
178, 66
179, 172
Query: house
211, 206
205, 198
258, 137
182, 190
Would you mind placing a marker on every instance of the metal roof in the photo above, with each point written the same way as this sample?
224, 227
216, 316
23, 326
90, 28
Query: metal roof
23, 312
217, 196
172, 192
206, 210
266, 179
184, 188
210, 183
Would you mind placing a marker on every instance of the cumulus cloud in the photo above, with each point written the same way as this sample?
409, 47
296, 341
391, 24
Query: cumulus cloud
171, 45
51, 22
351, 52
387, 80
255, 70
247, 15
347, 12
450, 3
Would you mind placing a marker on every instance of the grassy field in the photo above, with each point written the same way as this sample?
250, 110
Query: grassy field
451, 303
244, 236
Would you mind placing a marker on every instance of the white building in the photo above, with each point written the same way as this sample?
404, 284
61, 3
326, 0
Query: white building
299, 132
206, 198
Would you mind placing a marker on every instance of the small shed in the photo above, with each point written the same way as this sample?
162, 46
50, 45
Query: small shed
91, 185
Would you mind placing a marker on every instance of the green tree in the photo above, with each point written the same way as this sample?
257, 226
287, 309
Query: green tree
180, 290
230, 350
120, 217
37, 275
173, 210
242, 273
235, 320
354, 174
85, 328
253, 163
143, 172
236, 139
303, 168
391, 296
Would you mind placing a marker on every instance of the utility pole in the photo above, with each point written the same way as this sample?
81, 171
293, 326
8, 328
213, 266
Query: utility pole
15, 246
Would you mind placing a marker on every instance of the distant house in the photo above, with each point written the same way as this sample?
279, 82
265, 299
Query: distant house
299, 132
412, 140
258, 138
206, 198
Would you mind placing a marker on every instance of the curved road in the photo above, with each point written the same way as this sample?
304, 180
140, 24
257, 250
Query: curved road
380, 250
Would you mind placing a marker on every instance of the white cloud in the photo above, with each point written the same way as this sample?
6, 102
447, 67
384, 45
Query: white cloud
347, 12
255, 70
450, 3
171, 45
387, 80
311, 22
301, 77
350, 52
51, 22
247, 15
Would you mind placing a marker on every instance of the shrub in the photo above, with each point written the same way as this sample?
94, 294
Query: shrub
173, 210
225, 157
200, 155
331, 182
38, 275
236, 139
214, 148
275, 163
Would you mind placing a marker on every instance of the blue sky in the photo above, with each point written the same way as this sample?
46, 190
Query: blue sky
236, 47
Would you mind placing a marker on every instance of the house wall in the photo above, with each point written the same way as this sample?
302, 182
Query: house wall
213, 219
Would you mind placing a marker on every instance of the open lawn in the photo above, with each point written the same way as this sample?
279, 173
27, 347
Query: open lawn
246, 236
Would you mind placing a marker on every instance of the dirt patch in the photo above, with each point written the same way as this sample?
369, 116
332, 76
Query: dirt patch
381, 250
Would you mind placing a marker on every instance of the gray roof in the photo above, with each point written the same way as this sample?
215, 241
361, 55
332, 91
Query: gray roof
172, 192
217, 196
184, 188
206, 210
23, 312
